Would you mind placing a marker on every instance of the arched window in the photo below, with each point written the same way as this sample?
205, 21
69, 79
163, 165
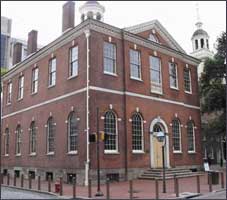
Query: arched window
50, 135
196, 44
7, 141
137, 133
90, 15
191, 136
110, 129
82, 17
98, 16
176, 135
153, 38
72, 132
202, 43
207, 44
32, 138
18, 139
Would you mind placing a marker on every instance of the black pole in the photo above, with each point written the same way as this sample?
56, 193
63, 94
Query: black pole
99, 193
163, 165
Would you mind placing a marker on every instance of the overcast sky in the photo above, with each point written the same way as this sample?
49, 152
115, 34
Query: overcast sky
178, 17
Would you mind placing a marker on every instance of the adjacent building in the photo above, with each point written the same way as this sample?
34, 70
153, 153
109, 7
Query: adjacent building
139, 77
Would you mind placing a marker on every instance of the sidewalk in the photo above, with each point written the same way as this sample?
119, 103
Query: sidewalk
144, 189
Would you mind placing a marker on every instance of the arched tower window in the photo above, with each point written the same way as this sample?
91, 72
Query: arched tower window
110, 129
137, 132
90, 15
207, 44
202, 43
98, 16
196, 44
82, 17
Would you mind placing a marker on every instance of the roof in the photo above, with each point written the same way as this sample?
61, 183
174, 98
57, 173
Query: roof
200, 32
91, 3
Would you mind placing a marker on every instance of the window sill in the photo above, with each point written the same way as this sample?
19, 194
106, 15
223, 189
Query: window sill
110, 74
156, 92
51, 86
34, 93
20, 99
32, 154
6, 155
136, 79
188, 92
177, 152
191, 152
72, 153
72, 77
110, 152
8, 104
174, 88
18, 155
50, 154
138, 152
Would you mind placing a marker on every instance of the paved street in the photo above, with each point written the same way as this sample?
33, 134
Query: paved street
215, 195
12, 193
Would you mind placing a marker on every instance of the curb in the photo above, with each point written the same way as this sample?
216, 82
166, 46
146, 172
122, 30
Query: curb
37, 191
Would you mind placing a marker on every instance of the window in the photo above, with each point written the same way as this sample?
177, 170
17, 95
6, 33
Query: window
155, 73
153, 38
9, 93
52, 72
135, 64
137, 133
176, 135
173, 80
191, 137
18, 140
73, 66
21, 87
196, 44
110, 129
35, 74
187, 80
207, 43
32, 138
72, 132
202, 43
50, 135
7, 141
109, 52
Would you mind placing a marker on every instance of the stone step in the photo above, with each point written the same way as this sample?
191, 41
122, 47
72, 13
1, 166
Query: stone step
167, 174
169, 169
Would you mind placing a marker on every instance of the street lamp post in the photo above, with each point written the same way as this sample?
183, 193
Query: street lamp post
99, 193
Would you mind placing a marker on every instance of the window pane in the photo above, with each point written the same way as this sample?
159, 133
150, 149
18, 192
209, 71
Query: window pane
72, 132
135, 65
190, 133
137, 135
176, 135
109, 52
187, 80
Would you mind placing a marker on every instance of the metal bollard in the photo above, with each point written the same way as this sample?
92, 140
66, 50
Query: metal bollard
222, 180
49, 183
175, 184
2, 178
107, 189
198, 183
39, 185
61, 187
177, 187
130, 189
14, 180
22, 180
89, 188
29, 181
210, 182
8, 177
74, 187
156, 189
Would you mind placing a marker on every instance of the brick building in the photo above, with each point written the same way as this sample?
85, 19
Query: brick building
139, 77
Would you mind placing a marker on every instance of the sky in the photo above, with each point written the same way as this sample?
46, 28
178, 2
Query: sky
178, 17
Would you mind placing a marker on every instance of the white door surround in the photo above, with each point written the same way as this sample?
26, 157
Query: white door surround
165, 129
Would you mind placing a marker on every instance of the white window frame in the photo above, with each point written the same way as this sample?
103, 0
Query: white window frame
18, 141
188, 92
48, 132
6, 151
35, 80
9, 93
50, 72
116, 151
32, 153
154, 83
140, 65
176, 68
193, 128
178, 151
115, 60
71, 75
21, 87
71, 152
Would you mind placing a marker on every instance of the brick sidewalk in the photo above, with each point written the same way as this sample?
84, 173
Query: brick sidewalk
143, 188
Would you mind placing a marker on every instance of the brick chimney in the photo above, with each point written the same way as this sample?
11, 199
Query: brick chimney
68, 15
17, 53
32, 41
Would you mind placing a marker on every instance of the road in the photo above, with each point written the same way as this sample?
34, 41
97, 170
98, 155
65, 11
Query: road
213, 195
13, 193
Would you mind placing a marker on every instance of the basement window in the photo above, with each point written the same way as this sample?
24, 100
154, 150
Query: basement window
49, 174
114, 177
5, 172
32, 174
17, 173
70, 177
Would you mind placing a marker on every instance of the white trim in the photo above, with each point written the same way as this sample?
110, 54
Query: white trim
111, 152
136, 79
72, 152
110, 73
138, 151
50, 153
189, 92
71, 77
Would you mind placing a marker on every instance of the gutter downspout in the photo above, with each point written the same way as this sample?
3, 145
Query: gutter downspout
87, 34
125, 109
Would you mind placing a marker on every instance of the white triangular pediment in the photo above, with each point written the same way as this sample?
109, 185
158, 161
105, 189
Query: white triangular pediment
155, 24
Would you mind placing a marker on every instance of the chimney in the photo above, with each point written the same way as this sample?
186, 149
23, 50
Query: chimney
17, 53
68, 15
32, 41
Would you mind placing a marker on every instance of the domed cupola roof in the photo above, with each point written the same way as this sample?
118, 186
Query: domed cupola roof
200, 32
